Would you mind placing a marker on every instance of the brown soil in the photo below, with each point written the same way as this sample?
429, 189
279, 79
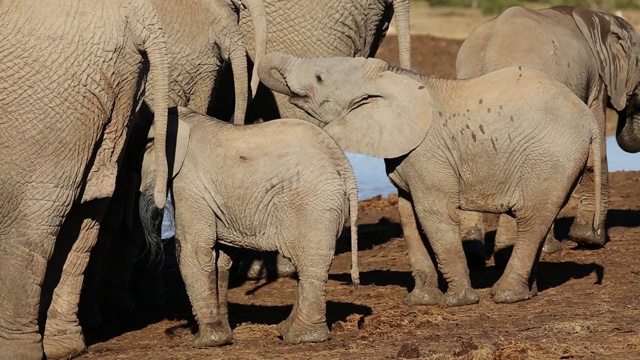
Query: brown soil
588, 306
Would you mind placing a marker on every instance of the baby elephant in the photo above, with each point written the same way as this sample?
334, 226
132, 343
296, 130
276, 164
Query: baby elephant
279, 186
513, 141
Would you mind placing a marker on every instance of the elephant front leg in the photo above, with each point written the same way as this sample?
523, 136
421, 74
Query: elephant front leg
63, 335
425, 291
582, 230
438, 220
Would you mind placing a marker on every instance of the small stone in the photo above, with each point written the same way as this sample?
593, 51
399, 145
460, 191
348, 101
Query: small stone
409, 351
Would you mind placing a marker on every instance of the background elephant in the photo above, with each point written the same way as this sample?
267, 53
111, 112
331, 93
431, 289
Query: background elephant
283, 185
71, 75
320, 28
495, 143
596, 55
201, 35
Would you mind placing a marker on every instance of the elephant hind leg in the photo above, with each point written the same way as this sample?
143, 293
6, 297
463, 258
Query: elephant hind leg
63, 334
517, 283
473, 232
425, 291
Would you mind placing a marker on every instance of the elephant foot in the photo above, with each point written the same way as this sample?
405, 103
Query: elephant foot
213, 334
466, 296
295, 333
22, 349
423, 296
63, 345
585, 234
507, 292
257, 269
552, 247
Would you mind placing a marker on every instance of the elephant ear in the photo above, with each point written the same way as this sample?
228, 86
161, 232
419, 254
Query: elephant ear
178, 133
389, 125
610, 39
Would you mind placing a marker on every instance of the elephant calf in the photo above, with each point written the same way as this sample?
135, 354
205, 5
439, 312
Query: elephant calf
513, 141
281, 186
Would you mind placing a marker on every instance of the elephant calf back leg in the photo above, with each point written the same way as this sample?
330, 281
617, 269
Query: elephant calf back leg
195, 238
311, 254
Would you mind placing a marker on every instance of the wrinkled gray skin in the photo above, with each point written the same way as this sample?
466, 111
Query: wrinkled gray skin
596, 55
279, 186
201, 35
321, 28
71, 75
493, 143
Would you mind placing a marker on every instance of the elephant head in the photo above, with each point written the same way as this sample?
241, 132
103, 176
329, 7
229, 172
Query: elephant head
616, 47
367, 106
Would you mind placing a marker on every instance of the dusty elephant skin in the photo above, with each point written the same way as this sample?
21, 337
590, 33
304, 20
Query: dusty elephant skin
486, 144
201, 35
319, 28
71, 74
596, 55
280, 186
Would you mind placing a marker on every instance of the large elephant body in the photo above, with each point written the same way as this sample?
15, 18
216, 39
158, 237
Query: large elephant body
512, 141
280, 186
321, 28
596, 55
71, 76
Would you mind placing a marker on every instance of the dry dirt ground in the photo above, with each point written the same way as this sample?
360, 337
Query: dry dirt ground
588, 306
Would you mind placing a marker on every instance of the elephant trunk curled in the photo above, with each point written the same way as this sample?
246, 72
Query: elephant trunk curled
628, 130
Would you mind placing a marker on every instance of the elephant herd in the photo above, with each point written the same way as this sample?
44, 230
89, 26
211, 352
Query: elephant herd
106, 106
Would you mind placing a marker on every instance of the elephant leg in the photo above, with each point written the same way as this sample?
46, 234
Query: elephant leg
224, 266
63, 335
473, 232
438, 218
582, 230
312, 257
257, 265
26, 245
506, 236
425, 291
517, 283
195, 238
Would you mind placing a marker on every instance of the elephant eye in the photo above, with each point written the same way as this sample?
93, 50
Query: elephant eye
319, 78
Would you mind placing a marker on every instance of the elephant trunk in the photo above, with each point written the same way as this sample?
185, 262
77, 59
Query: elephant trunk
234, 49
271, 71
401, 11
157, 93
628, 131
259, 21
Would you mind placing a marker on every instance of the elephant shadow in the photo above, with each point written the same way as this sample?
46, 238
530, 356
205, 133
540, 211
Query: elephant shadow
378, 278
375, 234
272, 315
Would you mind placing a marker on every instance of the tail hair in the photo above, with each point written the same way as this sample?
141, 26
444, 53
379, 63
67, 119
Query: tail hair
151, 218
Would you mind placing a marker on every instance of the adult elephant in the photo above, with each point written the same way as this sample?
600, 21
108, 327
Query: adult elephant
71, 75
322, 28
595, 54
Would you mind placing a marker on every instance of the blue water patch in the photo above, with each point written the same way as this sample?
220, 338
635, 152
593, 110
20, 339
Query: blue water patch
372, 178
619, 160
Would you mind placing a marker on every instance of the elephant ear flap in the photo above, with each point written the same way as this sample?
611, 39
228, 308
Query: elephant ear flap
391, 124
178, 133
611, 44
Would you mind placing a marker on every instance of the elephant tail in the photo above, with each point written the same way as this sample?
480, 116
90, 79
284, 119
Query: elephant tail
352, 194
151, 218
596, 146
